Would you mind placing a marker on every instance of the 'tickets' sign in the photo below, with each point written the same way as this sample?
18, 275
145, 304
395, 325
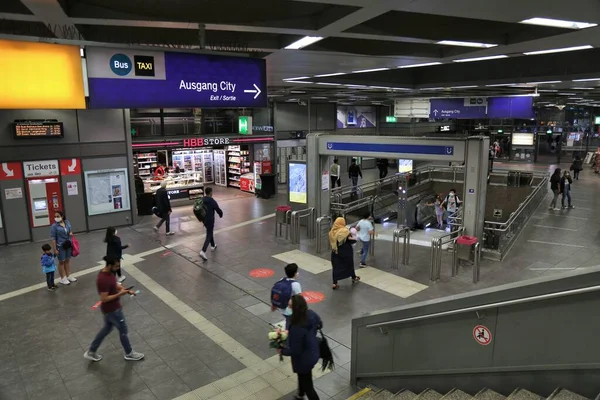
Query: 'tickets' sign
40, 169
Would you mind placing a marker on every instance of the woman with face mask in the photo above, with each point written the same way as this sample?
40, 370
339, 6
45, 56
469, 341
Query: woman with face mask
114, 249
60, 233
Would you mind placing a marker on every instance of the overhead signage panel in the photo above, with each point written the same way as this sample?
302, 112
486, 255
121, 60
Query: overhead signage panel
393, 148
125, 78
455, 108
40, 76
511, 107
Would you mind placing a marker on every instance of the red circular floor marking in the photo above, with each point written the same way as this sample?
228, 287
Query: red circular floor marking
313, 297
262, 273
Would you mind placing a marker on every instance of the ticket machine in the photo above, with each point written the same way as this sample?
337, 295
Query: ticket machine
45, 199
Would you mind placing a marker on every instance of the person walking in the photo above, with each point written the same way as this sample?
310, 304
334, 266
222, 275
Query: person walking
110, 292
163, 203
565, 188
61, 234
577, 167
334, 173
452, 202
353, 173
303, 346
48, 266
283, 290
211, 207
555, 187
342, 256
365, 230
439, 211
382, 165
114, 249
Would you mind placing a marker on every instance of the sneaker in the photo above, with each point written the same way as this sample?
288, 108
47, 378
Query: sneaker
55, 287
71, 279
571, 207
89, 355
51, 289
121, 278
155, 229
170, 233
203, 255
213, 248
363, 265
65, 281
556, 209
134, 356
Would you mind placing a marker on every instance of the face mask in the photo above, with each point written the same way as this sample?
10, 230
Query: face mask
288, 310
58, 219
116, 233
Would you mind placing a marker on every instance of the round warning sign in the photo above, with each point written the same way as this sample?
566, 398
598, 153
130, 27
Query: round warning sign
262, 273
313, 297
482, 335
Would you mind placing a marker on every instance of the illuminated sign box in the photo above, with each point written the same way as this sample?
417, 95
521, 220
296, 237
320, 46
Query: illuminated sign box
40, 76
522, 139
37, 129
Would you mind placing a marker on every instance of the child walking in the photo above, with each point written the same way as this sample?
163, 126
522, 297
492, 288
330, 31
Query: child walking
114, 249
48, 266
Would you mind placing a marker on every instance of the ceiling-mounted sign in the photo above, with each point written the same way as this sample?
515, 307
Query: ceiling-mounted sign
37, 129
475, 101
456, 109
40, 169
10, 171
126, 78
511, 107
70, 166
411, 108
245, 125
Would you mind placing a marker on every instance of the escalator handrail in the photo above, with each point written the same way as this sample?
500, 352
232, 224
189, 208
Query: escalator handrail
523, 300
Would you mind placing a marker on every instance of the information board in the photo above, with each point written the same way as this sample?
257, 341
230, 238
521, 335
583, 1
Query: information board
107, 191
37, 129
129, 78
297, 182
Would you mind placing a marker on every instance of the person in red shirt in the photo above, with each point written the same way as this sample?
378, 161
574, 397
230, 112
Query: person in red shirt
110, 292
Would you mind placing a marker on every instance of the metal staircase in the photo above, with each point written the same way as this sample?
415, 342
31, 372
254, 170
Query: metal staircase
372, 393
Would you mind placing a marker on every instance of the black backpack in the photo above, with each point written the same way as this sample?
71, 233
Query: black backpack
200, 210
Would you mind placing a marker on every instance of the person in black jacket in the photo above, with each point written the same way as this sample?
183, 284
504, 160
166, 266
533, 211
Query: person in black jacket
209, 221
383, 165
555, 187
353, 173
164, 208
114, 249
565, 188
577, 167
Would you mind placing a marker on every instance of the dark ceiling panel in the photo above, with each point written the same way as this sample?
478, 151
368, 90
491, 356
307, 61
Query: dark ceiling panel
25, 28
438, 27
386, 48
13, 7
274, 13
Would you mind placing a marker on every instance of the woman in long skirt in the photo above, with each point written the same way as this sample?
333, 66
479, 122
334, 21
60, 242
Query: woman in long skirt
342, 255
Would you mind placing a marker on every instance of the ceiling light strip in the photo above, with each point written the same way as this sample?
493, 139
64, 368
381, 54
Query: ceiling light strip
561, 50
466, 44
370, 70
429, 64
481, 58
332, 74
558, 23
305, 41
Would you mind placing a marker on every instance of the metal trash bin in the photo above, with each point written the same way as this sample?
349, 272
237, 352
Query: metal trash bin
467, 248
283, 216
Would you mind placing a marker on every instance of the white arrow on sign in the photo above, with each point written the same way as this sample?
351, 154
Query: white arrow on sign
8, 172
73, 165
435, 112
255, 90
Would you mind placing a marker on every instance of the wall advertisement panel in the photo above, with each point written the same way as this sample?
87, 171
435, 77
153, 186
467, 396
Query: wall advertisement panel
297, 182
107, 191
356, 117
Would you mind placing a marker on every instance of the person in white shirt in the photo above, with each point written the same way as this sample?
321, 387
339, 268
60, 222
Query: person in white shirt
292, 274
365, 230
334, 173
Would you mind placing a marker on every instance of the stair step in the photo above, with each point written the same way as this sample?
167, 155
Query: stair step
405, 395
564, 394
428, 394
384, 395
370, 394
522, 394
488, 394
457, 394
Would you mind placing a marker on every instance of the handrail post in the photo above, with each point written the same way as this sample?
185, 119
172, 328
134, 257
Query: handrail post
476, 266
406, 246
288, 226
433, 255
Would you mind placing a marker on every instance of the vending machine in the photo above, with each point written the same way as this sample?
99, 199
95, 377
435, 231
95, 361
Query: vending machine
44, 192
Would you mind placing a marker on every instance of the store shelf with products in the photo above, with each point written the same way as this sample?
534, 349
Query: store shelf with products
238, 163
220, 166
144, 164
182, 187
200, 161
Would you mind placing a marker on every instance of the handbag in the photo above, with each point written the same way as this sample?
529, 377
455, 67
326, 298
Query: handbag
75, 244
325, 352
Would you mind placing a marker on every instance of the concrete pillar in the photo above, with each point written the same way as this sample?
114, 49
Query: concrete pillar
475, 187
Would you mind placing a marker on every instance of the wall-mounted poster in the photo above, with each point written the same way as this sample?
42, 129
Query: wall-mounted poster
107, 191
356, 117
297, 182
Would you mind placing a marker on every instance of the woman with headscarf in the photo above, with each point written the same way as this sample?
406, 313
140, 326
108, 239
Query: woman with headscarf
342, 255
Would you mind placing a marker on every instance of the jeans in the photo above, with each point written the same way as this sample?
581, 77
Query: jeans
364, 252
576, 174
306, 388
554, 199
335, 180
567, 194
112, 320
50, 279
354, 180
210, 237
166, 218
383, 173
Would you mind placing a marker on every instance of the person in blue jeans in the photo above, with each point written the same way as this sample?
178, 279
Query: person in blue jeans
48, 266
353, 173
110, 292
211, 206
365, 230
565, 188
61, 234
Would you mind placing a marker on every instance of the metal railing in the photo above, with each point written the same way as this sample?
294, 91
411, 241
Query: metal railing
500, 236
282, 219
296, 217
324, 221
476, 260
482, 307
402, 232
436, 252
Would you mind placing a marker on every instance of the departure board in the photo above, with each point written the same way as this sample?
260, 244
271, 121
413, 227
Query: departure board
38, 129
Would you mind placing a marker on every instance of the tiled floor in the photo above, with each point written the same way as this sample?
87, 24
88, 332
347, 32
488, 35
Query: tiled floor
203, 325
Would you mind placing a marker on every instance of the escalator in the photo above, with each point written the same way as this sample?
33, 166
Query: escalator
457, 394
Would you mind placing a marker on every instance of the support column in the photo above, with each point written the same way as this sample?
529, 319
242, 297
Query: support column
475, 186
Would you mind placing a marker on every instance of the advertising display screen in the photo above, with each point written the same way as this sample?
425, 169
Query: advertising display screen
126, 78
297, 182
107, 191
37, 129
405, 165
40, 76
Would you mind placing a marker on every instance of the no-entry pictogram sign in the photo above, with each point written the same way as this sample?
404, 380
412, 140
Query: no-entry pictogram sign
262, 273
313, 297
482, 335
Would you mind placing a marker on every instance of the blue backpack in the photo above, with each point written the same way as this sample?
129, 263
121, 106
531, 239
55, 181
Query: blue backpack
281, 293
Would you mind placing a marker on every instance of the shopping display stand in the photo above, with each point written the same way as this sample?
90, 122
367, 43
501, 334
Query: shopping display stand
283, 216
467, 248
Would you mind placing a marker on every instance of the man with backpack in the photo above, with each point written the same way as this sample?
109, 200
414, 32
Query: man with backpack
204, 209
163, 205
283, 290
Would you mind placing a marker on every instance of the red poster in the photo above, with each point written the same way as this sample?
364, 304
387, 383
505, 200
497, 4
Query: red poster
267, 167
71, 166
245, 184
11, 170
